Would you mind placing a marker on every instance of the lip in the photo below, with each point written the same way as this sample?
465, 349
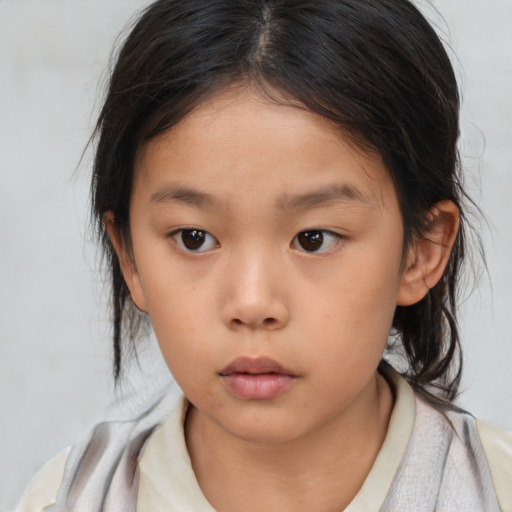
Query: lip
255, 366
257, 378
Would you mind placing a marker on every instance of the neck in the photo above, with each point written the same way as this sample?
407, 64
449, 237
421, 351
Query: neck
299, 474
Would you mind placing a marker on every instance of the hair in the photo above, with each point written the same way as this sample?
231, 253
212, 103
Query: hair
374, 67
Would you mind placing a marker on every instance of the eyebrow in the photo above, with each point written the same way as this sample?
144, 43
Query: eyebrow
324, 196
173, 194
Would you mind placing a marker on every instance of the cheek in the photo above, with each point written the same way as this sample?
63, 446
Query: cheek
173, 307
177, 313
182, 335
360, 287
353, 309
171, 289
182, 314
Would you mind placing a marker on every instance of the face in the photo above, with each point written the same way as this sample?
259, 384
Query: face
267, 252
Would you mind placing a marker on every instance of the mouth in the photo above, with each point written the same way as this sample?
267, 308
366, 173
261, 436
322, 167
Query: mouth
257, 378
255, 366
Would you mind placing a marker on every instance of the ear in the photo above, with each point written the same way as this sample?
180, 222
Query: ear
126, 262
429, 254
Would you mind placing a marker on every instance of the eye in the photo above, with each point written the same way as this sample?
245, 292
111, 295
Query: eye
316, 240
194, 240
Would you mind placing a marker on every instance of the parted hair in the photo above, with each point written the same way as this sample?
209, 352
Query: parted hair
375, 67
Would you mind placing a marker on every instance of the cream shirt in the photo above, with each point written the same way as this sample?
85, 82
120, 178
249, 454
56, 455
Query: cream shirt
167, 482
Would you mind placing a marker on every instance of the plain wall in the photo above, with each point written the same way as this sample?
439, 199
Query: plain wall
55, 348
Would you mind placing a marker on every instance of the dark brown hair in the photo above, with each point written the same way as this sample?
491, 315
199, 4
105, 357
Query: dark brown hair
374, 67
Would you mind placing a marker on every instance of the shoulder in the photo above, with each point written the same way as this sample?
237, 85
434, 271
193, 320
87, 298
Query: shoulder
497, 445
453, 462
101, 469
42, 490
486, 451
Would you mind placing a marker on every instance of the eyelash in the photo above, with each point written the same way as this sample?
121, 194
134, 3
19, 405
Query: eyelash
309, 236
313, 234
178, 238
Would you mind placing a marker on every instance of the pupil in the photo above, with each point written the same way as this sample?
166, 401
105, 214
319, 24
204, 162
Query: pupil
193, 239
311, 240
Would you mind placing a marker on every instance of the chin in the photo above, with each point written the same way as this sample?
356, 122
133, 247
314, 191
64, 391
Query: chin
263, 430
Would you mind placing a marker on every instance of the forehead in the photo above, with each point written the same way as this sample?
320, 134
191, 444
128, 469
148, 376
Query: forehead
238, 141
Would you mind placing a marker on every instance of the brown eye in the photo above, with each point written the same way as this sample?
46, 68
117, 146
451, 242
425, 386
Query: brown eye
194, 240
310, 240
316, 240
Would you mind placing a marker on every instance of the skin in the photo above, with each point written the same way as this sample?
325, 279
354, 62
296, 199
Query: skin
252, 290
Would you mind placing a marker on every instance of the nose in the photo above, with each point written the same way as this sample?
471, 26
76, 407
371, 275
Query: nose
255, 294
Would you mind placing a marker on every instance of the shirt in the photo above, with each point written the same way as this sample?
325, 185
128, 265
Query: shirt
425, 464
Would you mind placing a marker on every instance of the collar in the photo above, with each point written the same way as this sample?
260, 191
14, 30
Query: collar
167, 480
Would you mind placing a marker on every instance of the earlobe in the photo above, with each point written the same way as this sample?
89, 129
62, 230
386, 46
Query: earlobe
429, 254
126, 261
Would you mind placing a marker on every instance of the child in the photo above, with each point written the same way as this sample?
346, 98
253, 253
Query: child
277, 189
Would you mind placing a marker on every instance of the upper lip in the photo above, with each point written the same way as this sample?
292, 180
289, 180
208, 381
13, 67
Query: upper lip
254, 366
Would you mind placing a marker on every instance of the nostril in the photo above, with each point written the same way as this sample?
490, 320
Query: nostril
267, 322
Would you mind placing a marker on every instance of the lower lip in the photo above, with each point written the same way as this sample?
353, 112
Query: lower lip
258, 387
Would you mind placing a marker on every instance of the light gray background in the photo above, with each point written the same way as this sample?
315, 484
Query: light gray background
55, 349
